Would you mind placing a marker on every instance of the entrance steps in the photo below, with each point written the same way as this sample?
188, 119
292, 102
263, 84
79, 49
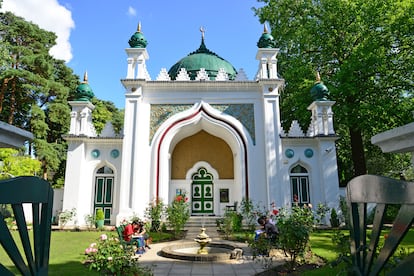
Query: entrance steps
194, 224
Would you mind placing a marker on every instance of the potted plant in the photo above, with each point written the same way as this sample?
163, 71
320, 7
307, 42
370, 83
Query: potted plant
99, 218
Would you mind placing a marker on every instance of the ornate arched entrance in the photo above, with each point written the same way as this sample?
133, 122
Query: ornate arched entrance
200, 118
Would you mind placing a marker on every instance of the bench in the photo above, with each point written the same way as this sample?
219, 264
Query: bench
232, 208
382, 191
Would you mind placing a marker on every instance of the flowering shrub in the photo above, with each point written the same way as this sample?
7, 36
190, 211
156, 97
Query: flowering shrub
295, 226
108, 257
153, 213
178, 212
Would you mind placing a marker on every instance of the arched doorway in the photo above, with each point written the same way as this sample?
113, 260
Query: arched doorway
104, 189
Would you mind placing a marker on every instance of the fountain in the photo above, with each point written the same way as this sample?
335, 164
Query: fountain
202, 249
202, 239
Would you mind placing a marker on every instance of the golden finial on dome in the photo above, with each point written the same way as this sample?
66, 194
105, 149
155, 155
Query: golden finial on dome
85, 77
139, 27
265, 29
202, 30
318, 77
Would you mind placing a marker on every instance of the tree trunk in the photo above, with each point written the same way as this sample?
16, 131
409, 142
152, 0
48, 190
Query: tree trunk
358, 155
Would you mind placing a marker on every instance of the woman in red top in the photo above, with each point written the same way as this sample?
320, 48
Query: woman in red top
130, 230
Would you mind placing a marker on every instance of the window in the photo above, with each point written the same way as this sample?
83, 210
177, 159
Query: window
299, 179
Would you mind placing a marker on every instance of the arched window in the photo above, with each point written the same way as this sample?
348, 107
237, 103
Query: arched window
299, 180
105, 170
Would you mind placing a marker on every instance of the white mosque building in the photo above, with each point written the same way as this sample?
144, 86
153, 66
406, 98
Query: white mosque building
203, 129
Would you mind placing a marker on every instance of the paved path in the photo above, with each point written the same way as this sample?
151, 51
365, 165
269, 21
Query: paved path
162, 266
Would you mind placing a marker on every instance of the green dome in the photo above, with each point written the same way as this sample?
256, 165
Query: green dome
138, 40
266, 40
83, 92
319, 92
202, 58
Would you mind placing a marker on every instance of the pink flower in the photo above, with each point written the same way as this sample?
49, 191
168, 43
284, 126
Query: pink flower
90, 250
104, 237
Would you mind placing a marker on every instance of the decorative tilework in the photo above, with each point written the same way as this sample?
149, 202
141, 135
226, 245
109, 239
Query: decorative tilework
242, 112
95, 153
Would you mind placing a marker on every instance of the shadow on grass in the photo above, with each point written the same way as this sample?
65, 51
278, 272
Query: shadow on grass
69, 268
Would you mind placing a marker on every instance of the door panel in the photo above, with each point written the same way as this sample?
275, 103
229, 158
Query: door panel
202, 196
104, 196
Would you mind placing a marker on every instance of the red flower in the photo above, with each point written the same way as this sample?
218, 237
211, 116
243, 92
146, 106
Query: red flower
178, 198
275, 212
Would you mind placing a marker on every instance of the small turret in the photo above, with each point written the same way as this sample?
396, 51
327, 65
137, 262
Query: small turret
83, 92
138, 40
319, 91
266, 40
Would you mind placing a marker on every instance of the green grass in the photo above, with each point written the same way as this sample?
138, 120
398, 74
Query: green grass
67, 251
67, 248
322, 245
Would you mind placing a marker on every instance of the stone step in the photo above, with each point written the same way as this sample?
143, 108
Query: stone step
199, 221
192, 232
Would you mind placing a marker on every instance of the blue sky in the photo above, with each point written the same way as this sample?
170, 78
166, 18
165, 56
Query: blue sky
93, 34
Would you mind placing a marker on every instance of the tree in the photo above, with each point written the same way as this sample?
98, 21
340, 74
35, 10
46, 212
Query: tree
14, 163
364, 51
106, 111
34, 88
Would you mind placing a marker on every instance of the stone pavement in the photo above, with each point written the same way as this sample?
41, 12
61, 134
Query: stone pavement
162, 266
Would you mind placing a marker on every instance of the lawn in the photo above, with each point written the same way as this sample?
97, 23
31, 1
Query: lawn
322, 245
66, 253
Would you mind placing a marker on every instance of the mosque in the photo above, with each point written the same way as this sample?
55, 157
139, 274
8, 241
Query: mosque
204, 130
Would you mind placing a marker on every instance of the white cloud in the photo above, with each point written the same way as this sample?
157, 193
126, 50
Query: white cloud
131, 11
49, 15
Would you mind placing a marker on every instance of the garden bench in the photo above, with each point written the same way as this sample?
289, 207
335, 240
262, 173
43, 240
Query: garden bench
33, 258
382, 191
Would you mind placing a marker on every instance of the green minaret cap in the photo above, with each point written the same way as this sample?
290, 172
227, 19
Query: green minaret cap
138, 40
266, 40
84, 92
319, 91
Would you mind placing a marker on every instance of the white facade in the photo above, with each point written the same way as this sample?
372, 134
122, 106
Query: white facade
269, 164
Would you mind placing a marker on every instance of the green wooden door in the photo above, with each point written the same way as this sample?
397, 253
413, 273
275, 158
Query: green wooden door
103, 196
202, 196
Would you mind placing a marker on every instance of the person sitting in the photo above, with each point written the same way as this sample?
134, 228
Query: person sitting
143, 233
130, 234
129, 230
269, 228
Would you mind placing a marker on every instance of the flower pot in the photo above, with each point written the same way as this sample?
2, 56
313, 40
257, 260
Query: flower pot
99, 223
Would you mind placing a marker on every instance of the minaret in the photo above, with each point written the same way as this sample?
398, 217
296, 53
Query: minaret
266, 54
321, 108
81, 115
137, 55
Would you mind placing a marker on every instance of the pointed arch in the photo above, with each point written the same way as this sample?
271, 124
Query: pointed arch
200, 117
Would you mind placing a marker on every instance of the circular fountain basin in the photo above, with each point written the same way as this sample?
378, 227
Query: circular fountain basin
188, 251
